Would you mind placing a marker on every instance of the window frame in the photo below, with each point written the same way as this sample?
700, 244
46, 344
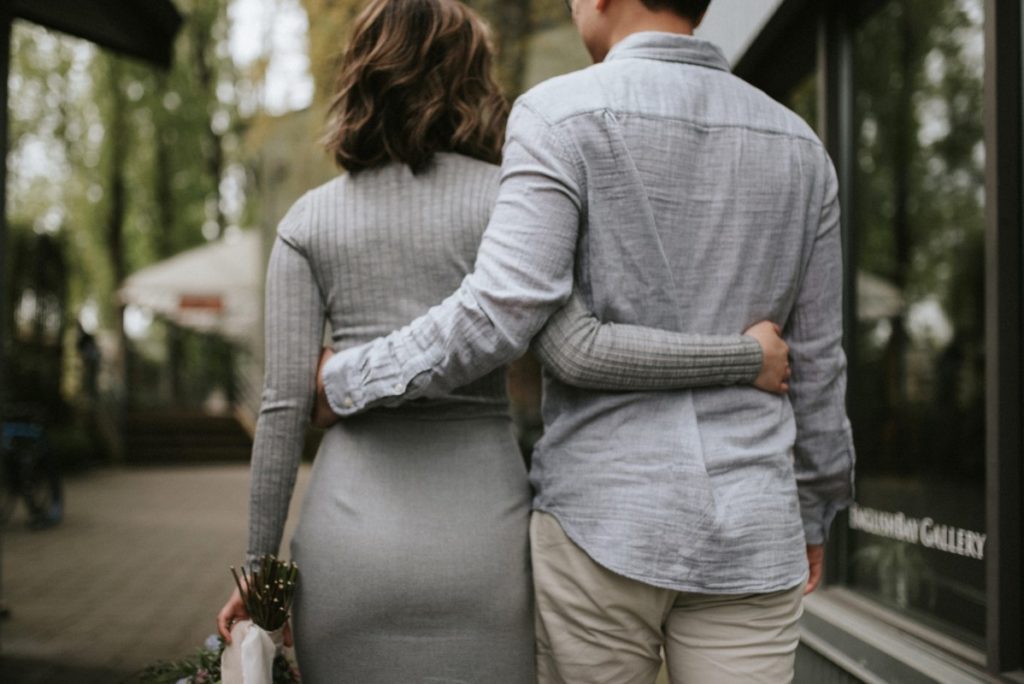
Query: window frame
1004, 29
784, 52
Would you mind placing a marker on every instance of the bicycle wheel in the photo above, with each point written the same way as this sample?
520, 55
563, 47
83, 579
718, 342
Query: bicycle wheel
8, 499
40, 487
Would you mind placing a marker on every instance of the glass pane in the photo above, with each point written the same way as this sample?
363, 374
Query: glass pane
803, 99
917, 363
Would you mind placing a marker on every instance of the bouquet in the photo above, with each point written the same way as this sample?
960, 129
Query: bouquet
267, 592
204, 668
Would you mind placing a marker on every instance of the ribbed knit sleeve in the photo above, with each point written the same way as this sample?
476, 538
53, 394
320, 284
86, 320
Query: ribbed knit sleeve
294, 330
581, 351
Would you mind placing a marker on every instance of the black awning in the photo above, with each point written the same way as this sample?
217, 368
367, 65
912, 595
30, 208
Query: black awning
140, 28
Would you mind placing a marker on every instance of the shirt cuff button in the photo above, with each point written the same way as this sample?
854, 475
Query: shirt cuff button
347, 402
398, 388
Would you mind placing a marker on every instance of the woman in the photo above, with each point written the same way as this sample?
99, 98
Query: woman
412, 543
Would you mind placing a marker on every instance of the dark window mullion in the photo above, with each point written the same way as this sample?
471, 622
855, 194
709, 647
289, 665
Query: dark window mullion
1004, 288
835, 112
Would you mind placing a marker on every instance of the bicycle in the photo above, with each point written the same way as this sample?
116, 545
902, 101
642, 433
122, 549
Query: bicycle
28, 469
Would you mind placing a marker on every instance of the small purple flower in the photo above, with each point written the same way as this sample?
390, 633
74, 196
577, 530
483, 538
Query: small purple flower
183, 680
212, 643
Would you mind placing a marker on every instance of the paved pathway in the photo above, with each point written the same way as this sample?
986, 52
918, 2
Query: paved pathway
136, 573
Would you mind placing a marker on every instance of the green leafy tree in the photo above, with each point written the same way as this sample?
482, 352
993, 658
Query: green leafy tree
124, 162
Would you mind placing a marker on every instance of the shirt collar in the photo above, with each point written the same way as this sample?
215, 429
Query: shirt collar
669, 47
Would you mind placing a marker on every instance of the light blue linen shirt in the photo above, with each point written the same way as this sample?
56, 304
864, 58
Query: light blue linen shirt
675, 196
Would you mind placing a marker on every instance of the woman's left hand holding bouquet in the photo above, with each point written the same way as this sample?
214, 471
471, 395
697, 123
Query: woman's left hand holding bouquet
233, 611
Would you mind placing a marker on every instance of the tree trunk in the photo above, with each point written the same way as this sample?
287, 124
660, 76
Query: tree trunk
510, 21
201, 42
163, 192
116, 209
904, 141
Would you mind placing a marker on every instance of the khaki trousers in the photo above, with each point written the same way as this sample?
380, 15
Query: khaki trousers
596, 627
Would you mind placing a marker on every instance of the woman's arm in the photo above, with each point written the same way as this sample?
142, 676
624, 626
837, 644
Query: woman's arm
294, 330
579, 350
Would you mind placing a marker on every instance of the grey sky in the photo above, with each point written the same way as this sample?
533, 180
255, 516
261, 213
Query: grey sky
277, 28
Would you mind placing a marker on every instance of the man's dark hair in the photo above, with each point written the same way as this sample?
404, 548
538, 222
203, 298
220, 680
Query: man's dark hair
691, 9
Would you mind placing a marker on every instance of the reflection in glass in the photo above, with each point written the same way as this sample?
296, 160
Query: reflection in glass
803, 99
917, 371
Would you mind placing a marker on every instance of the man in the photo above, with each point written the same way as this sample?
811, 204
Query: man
676, 197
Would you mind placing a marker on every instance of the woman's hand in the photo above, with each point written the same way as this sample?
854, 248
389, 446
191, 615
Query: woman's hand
775, 371
323, 417
233, 611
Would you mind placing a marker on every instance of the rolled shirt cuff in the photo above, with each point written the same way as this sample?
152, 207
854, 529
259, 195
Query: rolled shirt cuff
354, 384
338, 386
818, 520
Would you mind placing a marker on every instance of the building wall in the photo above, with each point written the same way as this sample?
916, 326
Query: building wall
733, 24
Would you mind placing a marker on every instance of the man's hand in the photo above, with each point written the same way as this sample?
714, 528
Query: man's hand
775, 371
815, 563
323, 417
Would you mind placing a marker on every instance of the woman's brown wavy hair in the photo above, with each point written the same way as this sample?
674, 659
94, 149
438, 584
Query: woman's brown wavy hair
415, 80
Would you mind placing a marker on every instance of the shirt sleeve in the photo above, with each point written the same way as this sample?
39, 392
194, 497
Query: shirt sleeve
580, 350
823, 453
523, 273
295, 322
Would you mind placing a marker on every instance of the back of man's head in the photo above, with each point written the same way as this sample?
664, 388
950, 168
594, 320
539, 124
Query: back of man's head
691, 9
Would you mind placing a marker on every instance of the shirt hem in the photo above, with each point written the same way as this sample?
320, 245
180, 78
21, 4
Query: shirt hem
739, 588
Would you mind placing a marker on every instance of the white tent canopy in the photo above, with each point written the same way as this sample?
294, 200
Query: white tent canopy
215, 288
877, 298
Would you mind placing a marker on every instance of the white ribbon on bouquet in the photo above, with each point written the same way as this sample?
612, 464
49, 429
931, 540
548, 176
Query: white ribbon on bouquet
249, 658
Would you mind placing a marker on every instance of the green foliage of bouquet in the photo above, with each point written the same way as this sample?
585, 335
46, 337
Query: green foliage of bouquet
203, 667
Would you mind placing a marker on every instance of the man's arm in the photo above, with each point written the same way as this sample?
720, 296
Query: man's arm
523, 273
823, 453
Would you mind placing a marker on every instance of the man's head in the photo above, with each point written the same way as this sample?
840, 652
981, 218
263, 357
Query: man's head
602, 23
691, 9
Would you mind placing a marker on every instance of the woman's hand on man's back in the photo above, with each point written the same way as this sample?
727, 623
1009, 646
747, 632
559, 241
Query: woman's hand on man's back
775, 370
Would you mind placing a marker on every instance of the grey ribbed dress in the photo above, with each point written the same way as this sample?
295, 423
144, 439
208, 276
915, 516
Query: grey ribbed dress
412, 543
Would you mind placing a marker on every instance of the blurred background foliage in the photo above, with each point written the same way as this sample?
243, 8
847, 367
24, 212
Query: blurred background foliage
116, 165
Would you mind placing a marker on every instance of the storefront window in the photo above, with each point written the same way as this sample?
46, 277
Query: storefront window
803, 99
917, 534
